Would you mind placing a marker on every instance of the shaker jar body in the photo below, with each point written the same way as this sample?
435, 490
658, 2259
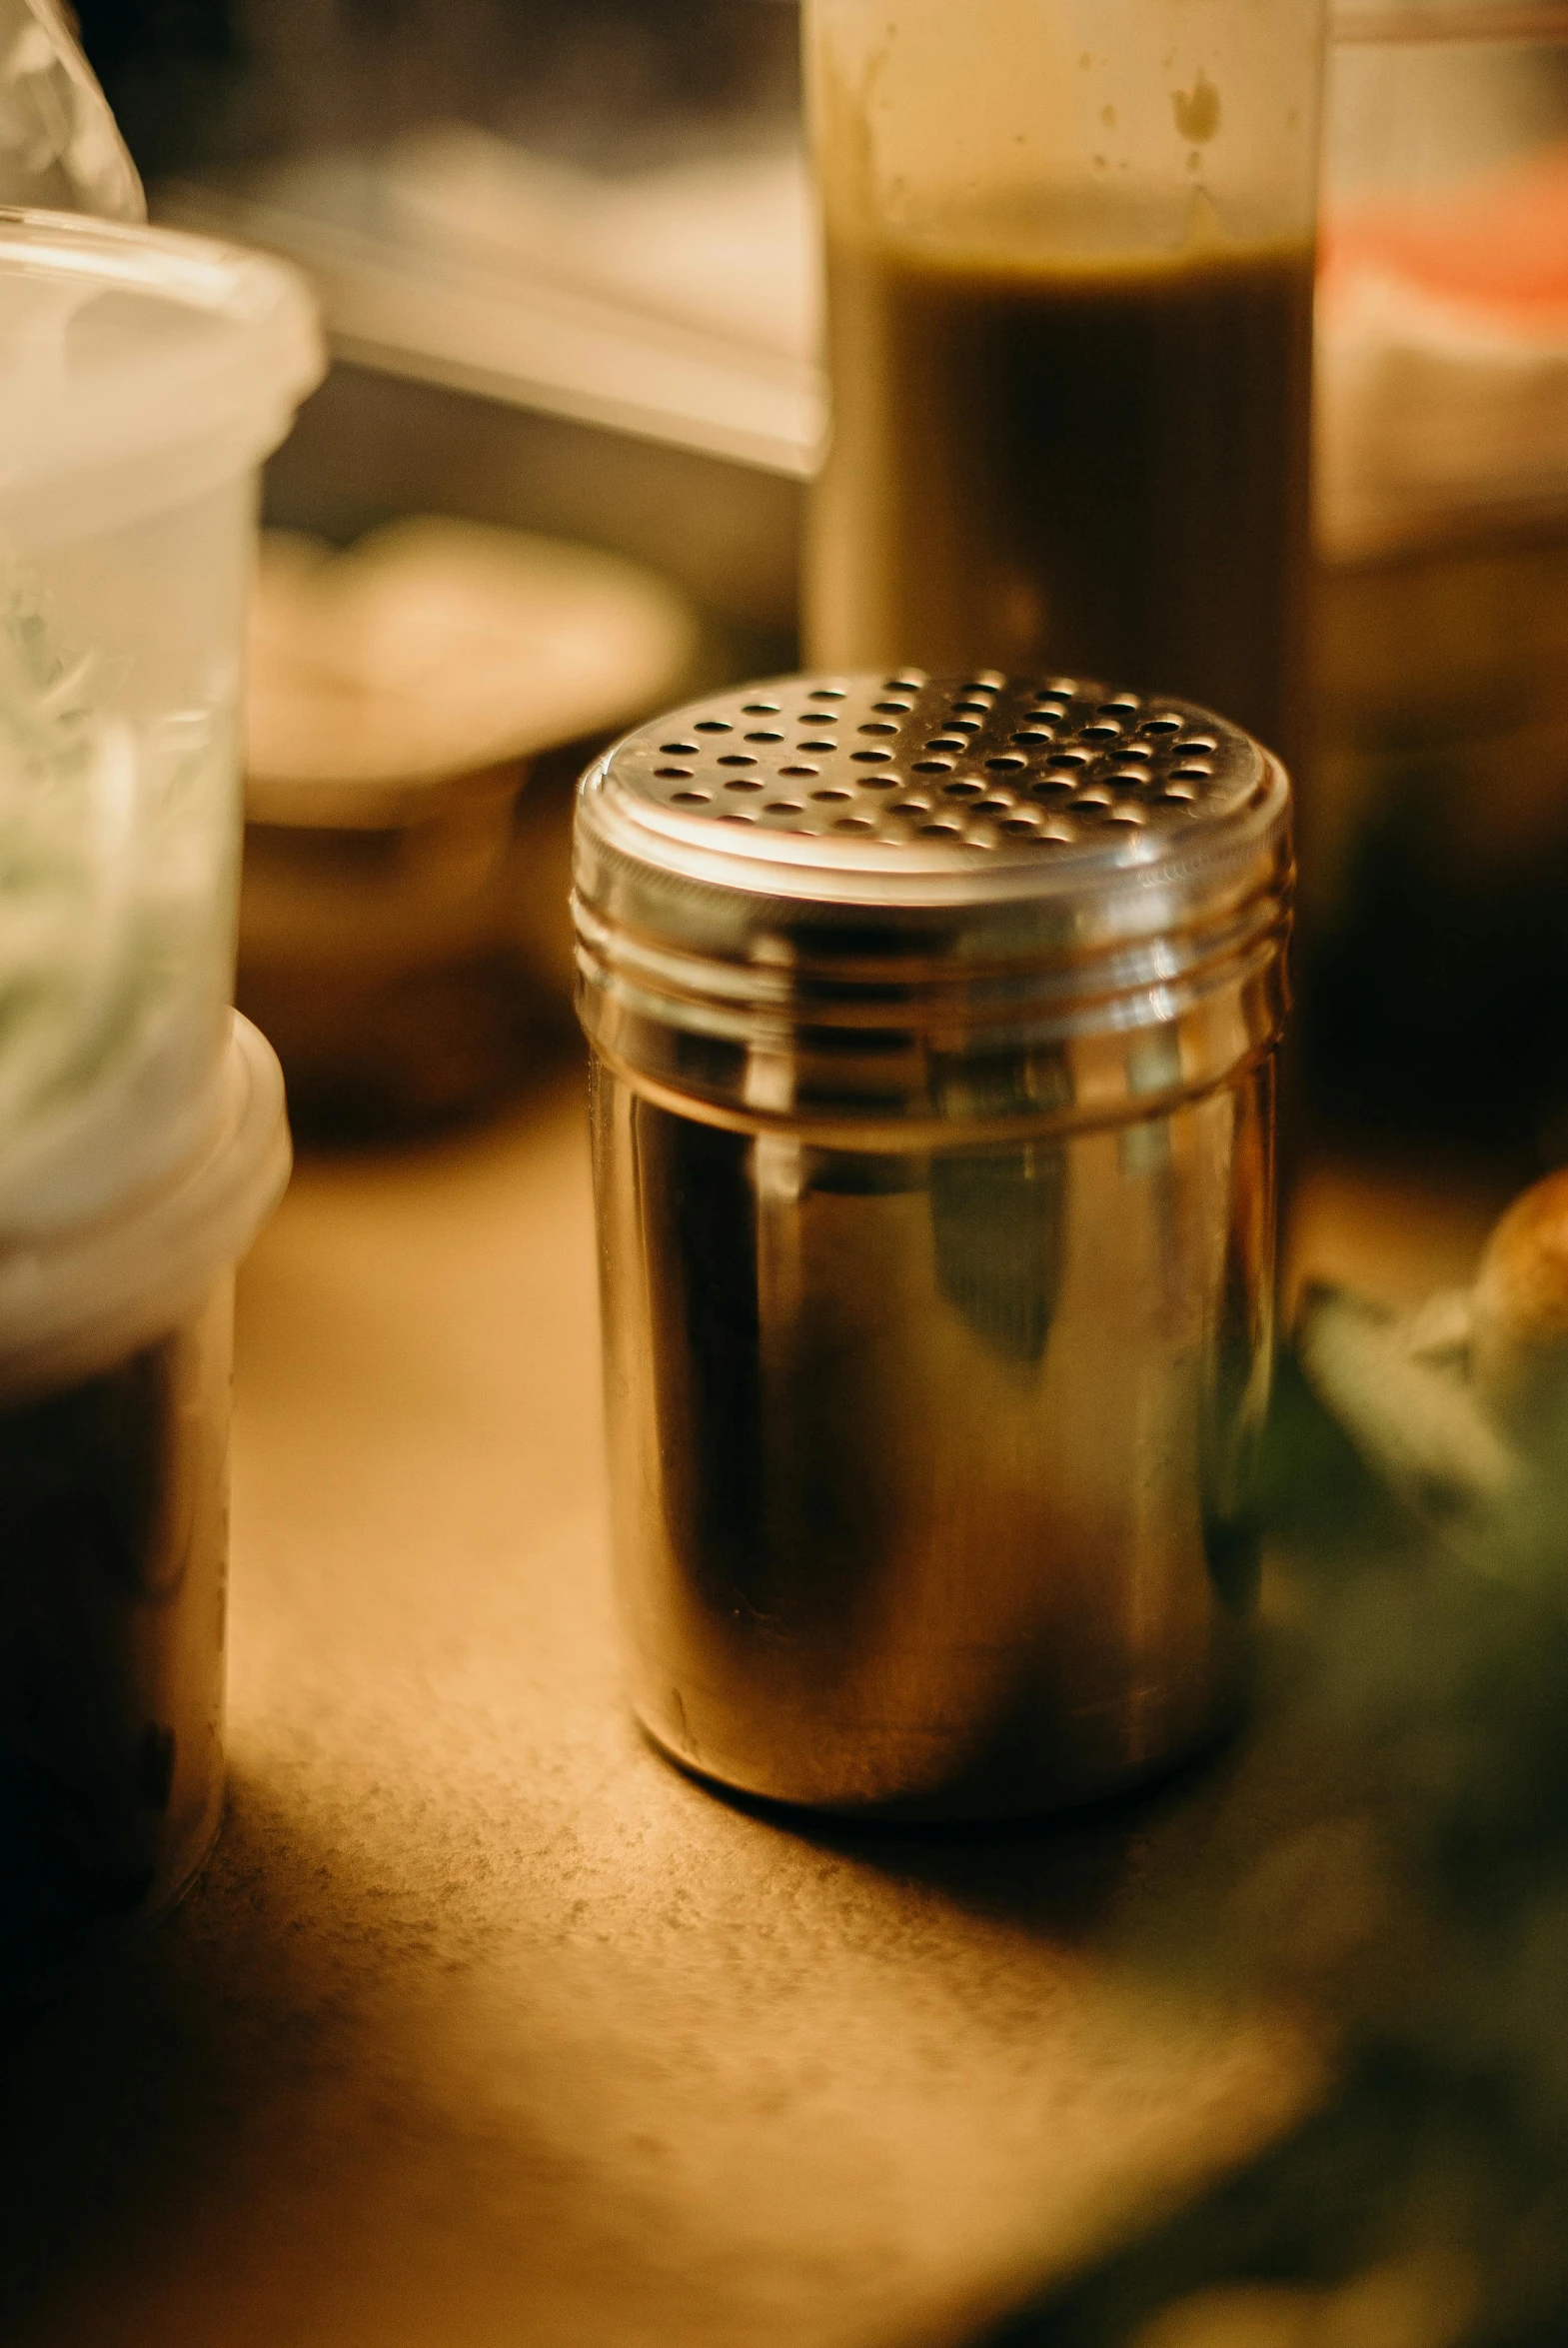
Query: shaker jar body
932, 1470
934, 1023
1069, 336
111, 1594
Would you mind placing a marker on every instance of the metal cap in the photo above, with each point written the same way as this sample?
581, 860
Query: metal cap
817, 896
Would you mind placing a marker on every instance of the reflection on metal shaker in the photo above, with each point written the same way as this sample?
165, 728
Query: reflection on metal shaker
932, 1028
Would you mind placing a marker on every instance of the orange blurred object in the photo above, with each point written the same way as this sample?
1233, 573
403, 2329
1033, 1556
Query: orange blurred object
1497, 242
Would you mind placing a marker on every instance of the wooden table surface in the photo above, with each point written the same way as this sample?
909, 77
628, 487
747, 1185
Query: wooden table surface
485, 2027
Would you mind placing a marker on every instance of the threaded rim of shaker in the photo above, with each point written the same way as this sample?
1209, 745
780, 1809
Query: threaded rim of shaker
1099, 863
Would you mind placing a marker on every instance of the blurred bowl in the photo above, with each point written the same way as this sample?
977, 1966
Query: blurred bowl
398, 922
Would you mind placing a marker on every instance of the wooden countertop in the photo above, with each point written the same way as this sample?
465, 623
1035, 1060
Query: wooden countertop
485, 2027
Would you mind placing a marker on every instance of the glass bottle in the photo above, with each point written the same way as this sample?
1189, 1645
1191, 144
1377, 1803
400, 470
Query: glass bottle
1070, 258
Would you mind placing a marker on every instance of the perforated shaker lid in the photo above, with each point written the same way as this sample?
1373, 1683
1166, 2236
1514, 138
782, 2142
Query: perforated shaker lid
831, 868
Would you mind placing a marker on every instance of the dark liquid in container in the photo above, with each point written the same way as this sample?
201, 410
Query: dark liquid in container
114, 1506
1097, 467
1434, 953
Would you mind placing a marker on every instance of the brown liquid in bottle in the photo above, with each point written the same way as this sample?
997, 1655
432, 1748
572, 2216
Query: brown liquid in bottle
1097, 467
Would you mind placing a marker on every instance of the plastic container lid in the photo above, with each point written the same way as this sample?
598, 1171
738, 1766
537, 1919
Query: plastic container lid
138, 366
79, 1300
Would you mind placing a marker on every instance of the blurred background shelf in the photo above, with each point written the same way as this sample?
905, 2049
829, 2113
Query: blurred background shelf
627, 361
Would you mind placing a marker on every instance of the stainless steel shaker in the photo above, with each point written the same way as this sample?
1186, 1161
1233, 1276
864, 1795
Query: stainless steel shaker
932, 1028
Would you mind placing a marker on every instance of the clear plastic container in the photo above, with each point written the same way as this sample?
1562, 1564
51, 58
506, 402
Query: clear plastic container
143, 376
1069, 332
115, 1350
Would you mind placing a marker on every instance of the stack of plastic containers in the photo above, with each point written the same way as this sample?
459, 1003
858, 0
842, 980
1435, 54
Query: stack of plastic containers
142, 1133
